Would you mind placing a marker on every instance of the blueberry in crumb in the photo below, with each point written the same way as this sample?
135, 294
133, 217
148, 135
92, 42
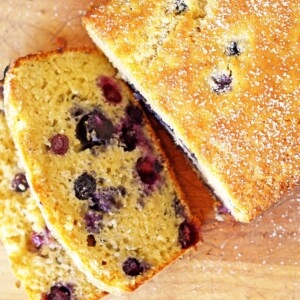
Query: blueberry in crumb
19, 183
105, 199
59, 292
222, 83
133, 267
37, 240
111, 90
93, 221
135, 114
148, 170
94, 129
99, 128
59, 144
180, 6
188, 234
84, 186
91, 242
128, 138
233, 49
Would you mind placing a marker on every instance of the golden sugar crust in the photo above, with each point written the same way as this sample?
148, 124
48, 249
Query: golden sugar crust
244, 133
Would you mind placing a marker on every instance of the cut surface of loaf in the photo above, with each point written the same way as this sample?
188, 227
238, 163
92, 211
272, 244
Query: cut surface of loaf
225, 82
104, 186
37, 259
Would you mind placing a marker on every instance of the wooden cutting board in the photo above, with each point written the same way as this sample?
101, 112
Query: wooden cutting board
236, 261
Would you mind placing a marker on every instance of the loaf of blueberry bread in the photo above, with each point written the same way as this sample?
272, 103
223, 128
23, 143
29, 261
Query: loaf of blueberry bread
103, 185
37, 259
224, 78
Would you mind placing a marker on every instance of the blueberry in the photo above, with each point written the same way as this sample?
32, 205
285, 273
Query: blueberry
233, 49
111, 90
128, 138
84, 186
94, 129
148, 169
91, 242
59, 292
133, 267
93, 221
59, 144
188, 234
37, 240
104, 200
222, 83
19, 183
135, 114
180, 6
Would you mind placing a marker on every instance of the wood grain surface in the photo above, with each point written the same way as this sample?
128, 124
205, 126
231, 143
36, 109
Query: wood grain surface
236, 261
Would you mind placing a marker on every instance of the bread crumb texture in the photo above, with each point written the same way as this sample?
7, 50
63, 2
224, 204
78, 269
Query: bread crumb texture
37, 259
105, 188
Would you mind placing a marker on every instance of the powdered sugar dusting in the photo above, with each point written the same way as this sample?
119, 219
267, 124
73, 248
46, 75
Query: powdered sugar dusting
256, 131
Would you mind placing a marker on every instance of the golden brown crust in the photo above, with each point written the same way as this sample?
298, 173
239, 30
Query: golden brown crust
246, 135
44, 55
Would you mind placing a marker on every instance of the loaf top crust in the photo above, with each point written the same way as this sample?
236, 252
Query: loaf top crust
226, 83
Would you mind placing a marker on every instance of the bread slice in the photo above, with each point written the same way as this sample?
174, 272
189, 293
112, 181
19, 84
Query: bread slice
37, 259
103, 184
225, 84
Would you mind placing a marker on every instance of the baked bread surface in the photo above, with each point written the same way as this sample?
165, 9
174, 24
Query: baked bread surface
37, 259
103, 185
226, 84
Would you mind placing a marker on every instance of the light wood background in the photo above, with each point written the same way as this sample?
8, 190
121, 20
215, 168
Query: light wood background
236, 261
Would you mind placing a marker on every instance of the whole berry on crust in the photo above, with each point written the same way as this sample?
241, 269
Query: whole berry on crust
233, 49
